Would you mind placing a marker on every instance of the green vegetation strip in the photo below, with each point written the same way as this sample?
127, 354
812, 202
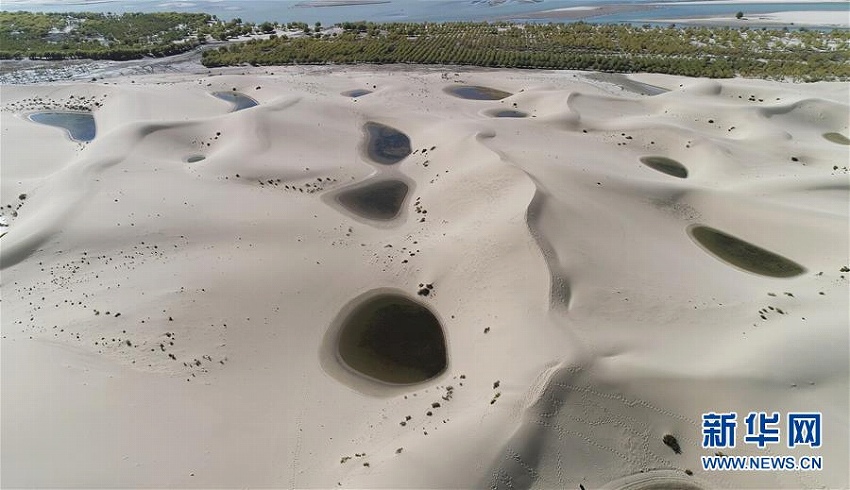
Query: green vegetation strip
694, 51
56, 36
801, 55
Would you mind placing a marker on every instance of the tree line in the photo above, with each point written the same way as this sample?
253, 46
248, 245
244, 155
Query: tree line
57, 36
693, 51
804, 55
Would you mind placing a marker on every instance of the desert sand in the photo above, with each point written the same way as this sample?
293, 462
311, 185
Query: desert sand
174, 290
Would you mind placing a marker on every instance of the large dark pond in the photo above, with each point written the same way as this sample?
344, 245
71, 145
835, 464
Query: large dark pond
380, 200
393, 339
386, 145
744, 255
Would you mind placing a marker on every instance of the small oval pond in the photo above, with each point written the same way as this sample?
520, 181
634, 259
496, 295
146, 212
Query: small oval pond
508, 113
393, 339
386, 145
359, 92
665, 165
744, 255
239, 100
476, 92
80, 126
380, 200
837, 138
195, 158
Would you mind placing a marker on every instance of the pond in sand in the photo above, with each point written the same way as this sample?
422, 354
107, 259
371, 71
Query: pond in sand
476, 92
393, 339
744, 255
240, 101
386, 145
665, 165
79, 125
379, 200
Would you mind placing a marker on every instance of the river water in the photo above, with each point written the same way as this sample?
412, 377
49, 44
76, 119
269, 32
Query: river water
332, 11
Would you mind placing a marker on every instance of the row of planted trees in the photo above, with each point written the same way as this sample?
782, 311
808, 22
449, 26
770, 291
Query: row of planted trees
617, 48
696, 51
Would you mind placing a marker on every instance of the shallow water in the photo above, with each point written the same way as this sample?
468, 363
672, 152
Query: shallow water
393, 339
379, 201
417, 10
80, 126
744, 255
509, 113
386, 145
359, 92
239, 100
476, 92
665, 165
195, 158
837, 138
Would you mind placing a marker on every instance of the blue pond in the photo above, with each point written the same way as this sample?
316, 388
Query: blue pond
239, 101
386, 145
356, 93
79, 125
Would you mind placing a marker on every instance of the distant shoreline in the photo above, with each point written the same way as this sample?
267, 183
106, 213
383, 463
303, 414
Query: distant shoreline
339, 3
580, 12
803, 18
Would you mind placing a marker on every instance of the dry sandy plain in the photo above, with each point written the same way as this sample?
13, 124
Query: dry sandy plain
172, 321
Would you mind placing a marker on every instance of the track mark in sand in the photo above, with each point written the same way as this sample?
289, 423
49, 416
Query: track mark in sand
743, 255
299, 434
571, 414
655, 480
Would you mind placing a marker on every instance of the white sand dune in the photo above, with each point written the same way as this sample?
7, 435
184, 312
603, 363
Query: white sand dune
171, 324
